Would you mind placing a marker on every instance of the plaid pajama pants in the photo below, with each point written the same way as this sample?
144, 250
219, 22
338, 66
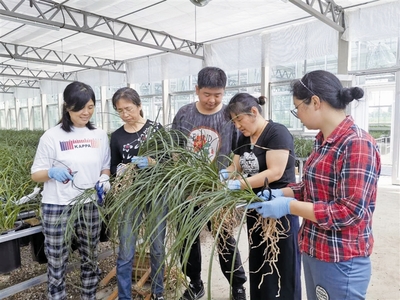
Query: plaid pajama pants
87, 229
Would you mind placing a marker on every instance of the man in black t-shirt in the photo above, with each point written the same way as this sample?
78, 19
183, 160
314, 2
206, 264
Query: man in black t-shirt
204, 124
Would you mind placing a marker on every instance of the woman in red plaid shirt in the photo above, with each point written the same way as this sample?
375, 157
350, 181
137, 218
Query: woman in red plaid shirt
337, 195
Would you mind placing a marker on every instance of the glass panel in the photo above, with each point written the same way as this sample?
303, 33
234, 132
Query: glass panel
187, 83
2, 119
37, 101
152, 108
284, 72
96, 118
110, 91
97, 92
373, 54
53, 115
37, 117
327, 63
114, 120
23, 118
11, 103
12, 119
23, 102
148, 88
52, 99
281, 104
177, 101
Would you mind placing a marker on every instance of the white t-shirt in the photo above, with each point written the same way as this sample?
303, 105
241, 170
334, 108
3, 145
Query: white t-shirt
82, 150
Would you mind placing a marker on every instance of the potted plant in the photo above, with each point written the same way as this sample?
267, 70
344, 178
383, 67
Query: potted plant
15, 183
303, 147
8, 225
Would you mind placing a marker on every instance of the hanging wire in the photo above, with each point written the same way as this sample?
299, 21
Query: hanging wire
195, 25
62, 56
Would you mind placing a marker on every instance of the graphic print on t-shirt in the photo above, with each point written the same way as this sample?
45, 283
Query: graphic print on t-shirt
78, 144
206, 140
135, 144
249, 163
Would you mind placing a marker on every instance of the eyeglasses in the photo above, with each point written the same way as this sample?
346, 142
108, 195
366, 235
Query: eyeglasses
294, 111
127, 110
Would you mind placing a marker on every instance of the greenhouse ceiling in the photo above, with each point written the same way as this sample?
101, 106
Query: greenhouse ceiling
44, 39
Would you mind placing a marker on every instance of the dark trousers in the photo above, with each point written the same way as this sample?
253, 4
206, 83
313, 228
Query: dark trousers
226, 255
288, 264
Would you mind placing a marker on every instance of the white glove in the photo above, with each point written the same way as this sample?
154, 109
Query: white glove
104, 181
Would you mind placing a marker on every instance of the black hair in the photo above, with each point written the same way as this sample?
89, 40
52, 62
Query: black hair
128, 94
242, 103
211, 77
327, 87
76, 96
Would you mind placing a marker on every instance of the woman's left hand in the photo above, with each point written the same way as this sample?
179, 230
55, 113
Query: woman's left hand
141, 161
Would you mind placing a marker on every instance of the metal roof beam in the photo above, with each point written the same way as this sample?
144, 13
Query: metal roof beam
15, 83
52, 13
27, 73
40, 55
326, 11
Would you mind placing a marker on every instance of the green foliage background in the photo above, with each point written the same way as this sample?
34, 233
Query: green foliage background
17, 151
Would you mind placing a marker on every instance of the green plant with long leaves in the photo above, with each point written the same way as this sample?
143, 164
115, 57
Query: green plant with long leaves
15, 183
188, 184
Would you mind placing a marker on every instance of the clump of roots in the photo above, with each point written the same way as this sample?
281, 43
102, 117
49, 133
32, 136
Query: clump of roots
272, 231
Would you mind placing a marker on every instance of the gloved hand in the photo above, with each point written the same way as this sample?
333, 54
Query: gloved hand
276, 208
60, 174
102, 187
104, 182
265, 194
233, 185
121, 169
223, 175
141, 161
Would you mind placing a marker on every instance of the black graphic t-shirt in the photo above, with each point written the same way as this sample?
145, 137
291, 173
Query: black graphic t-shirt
253, 157
212, 134
125, 145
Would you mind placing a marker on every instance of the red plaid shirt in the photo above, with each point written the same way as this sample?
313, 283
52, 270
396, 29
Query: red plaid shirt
340, 179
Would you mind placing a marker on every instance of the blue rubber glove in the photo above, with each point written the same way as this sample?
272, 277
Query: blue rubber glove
59, 174
265, 194
233, 185
141, 161
276, 208
102, 187
100, 193
223, 175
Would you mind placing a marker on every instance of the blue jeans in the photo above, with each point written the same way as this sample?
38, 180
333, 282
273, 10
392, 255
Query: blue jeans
127, 243
342, 280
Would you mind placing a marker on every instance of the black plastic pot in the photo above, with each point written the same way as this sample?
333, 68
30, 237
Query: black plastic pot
11, 255
37, 248
24, 241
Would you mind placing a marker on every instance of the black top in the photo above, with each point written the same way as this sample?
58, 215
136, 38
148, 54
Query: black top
125, 145
252, 157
